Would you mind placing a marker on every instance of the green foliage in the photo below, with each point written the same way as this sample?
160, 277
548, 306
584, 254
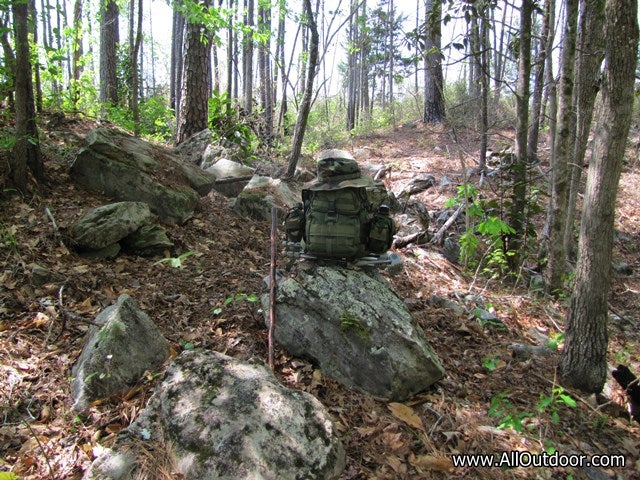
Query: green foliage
486, 230
8, 239
548, 405
555, 339
238, 297
175, 262
348, 322
226, 125
490, 362
154, 118
8, 476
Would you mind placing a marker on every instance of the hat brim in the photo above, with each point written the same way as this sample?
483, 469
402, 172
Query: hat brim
328, 185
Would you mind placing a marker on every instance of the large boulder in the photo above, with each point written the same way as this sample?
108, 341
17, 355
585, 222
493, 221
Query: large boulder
106, 225
231, 177
357, 329
263, 193
127, 168
117, 354
227, 419
103, 231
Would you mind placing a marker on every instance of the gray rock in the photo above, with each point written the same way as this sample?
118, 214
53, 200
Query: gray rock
193, 147
127, 168
201, 181
418, 184
111, 465
41, 276
117, 354
147, 240
213, 153
451, 249
357, 329
231, 177
106, 225
263, 193
229, 419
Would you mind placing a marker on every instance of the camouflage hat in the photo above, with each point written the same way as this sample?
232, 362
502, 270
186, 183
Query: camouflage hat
337, 169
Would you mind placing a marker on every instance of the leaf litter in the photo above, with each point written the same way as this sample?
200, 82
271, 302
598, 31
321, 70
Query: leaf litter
40, 437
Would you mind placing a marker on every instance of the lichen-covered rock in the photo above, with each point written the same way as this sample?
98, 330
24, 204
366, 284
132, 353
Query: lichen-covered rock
147, 240
263, 193
117, 354
357, 329
104, 226
229, 419
230, 177
126, 168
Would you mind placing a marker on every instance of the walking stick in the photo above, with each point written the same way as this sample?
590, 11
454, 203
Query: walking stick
272, 282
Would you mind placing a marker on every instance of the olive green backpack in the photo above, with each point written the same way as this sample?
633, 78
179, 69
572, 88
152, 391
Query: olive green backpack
336, 220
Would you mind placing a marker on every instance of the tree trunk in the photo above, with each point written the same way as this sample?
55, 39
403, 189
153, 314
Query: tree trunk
583, 361
305, 105
195, 81
519, 168
538, 86
557, 256
109, 38
434, 81
134, 73
591, 53
26, 152
76, 48
177, 58
7, 89
247, 57
282, 116
33, 23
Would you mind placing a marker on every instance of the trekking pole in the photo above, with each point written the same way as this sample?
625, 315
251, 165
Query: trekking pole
272, 283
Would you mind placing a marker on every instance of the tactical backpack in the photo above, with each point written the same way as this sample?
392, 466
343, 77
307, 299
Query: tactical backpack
335, 219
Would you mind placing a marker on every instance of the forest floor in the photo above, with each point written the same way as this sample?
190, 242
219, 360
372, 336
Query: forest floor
484, 386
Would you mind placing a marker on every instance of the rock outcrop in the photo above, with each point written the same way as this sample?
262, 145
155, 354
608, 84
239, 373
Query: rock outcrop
127, 168
357, 329
117, 354
227, 419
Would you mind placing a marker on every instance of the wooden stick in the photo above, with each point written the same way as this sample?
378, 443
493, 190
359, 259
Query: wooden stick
272, 283
437, 238
56, 230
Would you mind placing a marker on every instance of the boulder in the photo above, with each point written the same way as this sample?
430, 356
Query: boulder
117, 354
418, 184
230, 177
227, 419
126, 168
263, 193
357, 329
147, 240
104, 226
194, 146
213, 153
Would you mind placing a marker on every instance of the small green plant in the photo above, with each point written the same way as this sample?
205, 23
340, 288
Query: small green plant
485, 229
175, 262
490, 362
507, 414
238, 297
7, 238
348, 322
555, 340
550, 403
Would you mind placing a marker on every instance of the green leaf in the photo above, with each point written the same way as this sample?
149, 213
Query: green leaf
568, 400
8, 476
253, 298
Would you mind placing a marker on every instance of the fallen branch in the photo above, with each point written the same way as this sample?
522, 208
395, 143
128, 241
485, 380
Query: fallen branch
68, 314
437, 238
400, 242
56, 230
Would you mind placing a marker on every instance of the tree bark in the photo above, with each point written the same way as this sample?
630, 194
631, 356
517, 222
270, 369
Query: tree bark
519, 168
135, 107
109, 39
305, 105
434, 111
26, 152
76, 49
583, 362
557, 256
195, 91
177, 60
588, 61
7, 89
247, 57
